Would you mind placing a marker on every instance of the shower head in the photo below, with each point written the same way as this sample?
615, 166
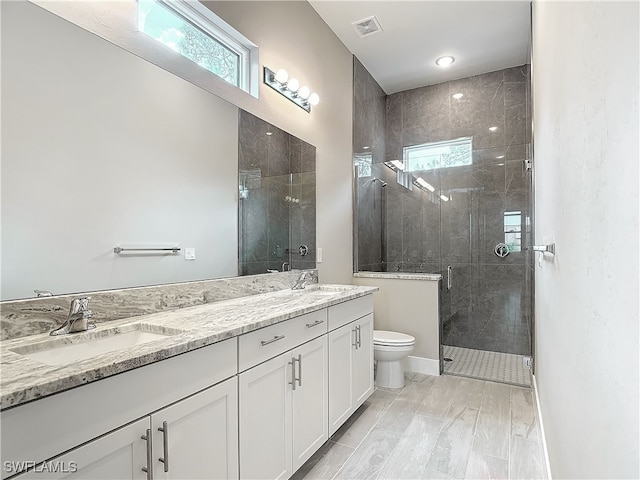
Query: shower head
374, 180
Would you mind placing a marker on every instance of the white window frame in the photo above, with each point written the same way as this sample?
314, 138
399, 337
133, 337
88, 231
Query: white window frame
406, 151
211, 24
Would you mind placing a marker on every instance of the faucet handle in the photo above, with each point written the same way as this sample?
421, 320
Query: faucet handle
79, 305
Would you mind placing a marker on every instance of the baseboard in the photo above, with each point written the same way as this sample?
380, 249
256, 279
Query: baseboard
544, 437
426, 366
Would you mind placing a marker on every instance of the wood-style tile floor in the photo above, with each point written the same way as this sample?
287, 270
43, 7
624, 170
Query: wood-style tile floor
436, 427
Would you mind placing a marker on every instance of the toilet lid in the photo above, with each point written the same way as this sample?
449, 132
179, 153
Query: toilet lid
385, 337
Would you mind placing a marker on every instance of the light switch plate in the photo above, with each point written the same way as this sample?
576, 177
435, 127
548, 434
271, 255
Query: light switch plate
319, 256
189, 253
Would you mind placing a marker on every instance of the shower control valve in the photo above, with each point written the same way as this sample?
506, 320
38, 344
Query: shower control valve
501, 250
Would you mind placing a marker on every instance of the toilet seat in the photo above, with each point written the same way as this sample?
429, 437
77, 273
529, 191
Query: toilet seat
392, 339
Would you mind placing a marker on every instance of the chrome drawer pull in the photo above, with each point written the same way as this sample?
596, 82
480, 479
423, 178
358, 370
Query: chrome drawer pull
165, 444
317, 322
300, 370
149, 468
274, 339
293, 373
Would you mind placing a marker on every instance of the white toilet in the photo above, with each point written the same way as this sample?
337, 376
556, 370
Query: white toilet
389, 350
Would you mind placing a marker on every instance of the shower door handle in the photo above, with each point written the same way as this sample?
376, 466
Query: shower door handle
449, 277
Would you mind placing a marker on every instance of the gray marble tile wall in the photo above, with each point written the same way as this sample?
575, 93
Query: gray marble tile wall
21, 318
489, 306
369, 147
277, 209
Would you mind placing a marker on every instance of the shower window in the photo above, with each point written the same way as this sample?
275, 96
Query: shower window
430, 156
513, 230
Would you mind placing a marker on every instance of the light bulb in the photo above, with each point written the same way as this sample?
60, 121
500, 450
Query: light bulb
457, 96
304, 93
314, 99
282, 76
293, 85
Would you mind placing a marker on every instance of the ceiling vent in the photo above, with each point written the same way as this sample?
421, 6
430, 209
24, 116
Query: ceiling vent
367, 26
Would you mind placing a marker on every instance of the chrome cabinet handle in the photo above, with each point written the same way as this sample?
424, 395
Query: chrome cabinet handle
293, 373
299, 369
355, 337
317, 322
274, 339
149, 468
165, 445
359, 331
449, 279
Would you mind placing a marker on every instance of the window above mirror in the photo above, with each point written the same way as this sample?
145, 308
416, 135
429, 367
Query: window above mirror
199, 35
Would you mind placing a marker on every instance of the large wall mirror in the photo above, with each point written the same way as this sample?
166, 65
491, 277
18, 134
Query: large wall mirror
277, 210
102, 149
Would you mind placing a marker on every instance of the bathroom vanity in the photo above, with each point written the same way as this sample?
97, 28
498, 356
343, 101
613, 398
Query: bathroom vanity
243, 388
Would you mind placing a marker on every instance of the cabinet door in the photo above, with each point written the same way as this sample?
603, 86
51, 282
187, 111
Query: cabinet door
198, 437
310, 400
120, 454
341, 346
363, 361
265, 420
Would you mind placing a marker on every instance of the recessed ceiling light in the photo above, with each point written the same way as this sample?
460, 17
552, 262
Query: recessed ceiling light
493, 129
500, 156
457, 96
445, 61
269, 133
365, 147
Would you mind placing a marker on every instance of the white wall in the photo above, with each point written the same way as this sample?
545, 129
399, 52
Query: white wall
585, 92
290, 35
98, 148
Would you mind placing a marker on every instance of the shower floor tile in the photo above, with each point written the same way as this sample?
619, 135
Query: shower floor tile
495, 366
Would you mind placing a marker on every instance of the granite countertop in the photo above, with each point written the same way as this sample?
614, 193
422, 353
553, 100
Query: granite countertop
24, 379
399, 275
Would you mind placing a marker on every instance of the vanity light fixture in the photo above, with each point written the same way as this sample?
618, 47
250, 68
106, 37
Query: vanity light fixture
290, 88
445, 61
457, 96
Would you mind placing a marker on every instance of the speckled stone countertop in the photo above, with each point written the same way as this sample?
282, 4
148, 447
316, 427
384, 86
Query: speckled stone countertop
24, 379
399, 275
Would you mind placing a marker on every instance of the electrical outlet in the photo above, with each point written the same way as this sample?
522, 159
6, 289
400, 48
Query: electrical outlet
319, 255
527, 362
189, 253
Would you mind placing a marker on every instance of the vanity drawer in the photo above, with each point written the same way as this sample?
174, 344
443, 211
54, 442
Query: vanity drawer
348, 311
260, 345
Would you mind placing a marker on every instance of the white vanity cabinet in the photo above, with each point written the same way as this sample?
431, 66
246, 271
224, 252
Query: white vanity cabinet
187, 391
283, 411
193, 439
198, 437
350, 359
120, 454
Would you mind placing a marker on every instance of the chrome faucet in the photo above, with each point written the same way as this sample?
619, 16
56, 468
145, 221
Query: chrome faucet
306, 277
79, 313
285, 265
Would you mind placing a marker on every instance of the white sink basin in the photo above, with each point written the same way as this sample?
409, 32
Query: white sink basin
66, 349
